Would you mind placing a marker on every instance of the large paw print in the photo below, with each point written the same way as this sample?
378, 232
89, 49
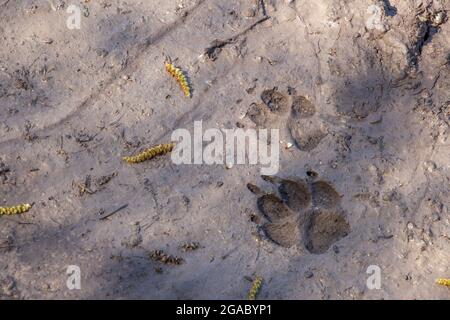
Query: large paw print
295, 112
304, 213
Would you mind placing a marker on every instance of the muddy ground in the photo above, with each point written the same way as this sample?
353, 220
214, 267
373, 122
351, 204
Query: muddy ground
360, 92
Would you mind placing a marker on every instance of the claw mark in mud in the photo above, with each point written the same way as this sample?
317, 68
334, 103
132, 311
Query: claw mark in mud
306, 213
277, 108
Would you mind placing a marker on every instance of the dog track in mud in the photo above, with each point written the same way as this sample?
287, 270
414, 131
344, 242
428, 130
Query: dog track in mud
297, 111
304, 213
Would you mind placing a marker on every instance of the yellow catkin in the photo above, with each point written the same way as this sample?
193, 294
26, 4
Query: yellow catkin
150, 153
256, 286
443, 282
15, 210
180, 77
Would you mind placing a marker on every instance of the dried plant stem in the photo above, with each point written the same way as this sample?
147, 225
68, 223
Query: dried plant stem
180, 77
443, 282
150, 153
256, 287
15, 210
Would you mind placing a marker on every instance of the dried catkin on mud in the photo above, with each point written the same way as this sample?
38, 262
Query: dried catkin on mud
443, 282
256, 287
15, 210
180, 77
148, 154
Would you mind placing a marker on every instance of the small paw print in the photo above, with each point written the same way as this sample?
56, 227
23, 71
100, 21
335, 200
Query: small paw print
295, 112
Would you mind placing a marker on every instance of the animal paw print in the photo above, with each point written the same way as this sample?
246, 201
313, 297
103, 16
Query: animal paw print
295, 112
304, 213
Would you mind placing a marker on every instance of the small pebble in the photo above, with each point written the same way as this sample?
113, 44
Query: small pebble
435, 217
430, 166
249, 13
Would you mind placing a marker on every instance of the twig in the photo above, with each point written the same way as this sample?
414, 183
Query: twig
106, 215
84, 188
20, 222
254, 24
436, 80
216, 46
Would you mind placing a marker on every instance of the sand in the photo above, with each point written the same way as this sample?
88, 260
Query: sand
359, 91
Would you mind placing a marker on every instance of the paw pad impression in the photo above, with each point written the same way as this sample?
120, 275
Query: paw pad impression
306, 213
296, 111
